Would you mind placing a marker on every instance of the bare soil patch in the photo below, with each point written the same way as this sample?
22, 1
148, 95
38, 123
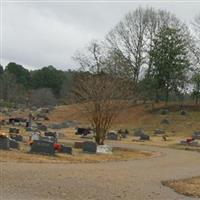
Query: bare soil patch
77, 157
188, 187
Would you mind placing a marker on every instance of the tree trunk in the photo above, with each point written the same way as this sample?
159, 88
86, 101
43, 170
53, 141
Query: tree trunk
167, 96
100, 137
197, 98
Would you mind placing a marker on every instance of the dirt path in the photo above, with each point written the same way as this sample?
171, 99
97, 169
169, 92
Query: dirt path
127, 180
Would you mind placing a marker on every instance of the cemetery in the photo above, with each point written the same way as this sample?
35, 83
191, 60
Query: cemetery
39, 140
63, 140
74, 137
100, 100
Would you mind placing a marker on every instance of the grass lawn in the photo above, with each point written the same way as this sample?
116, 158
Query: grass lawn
77, 157
189, 187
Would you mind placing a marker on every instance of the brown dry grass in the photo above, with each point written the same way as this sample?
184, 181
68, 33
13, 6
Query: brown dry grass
189, 187
77, 157
134, 117
139, 116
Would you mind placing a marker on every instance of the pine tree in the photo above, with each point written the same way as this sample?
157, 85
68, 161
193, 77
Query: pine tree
170, 61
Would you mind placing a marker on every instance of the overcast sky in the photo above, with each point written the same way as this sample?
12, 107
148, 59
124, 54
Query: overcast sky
41, 34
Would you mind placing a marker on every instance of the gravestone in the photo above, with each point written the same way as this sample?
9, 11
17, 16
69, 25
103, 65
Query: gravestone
78, 145
112, 136
144, 137
184, 142
123, 133
65, 149
16, 137
159, 131
42, 127
41, 146
4, 143
44, 110
52, 134
55, 126
165, 121
196, 135
48, 139
13, 130
195, 144
138, 132
82, 131
42, 116
32, 129
164, 112
90, 147
13, 144
183, 112
104, 149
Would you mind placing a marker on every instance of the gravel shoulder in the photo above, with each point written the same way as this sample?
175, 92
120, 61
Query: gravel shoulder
127, 180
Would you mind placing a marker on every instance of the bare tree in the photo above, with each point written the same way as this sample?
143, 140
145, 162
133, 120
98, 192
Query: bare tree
102, 98
101, 94
130, 42
42, 97
92, 58
127, 40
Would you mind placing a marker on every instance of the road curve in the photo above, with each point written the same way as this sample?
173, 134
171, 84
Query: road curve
127, 180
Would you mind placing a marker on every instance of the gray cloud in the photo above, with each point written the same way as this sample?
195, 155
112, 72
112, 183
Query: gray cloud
40, 34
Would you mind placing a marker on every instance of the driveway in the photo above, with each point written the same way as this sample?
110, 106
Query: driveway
127, 180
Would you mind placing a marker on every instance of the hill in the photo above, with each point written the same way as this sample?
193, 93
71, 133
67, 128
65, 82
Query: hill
142, 116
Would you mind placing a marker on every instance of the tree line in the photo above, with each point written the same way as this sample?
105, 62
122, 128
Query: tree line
45, 86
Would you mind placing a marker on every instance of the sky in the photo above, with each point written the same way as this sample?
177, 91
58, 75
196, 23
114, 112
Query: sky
41, 33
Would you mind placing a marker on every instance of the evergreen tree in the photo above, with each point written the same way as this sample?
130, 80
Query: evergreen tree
170, 61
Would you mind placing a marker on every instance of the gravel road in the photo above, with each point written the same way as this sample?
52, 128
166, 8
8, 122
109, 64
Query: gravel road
127, 180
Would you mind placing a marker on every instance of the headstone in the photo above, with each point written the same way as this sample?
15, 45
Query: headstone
16, 137
104, 149
195, 144
40, 146
112, 136
35, 136
4, 142
165, 121
164, 112
183, 112
42, 116
82, 131
31, 129
55, 126
48, 139
90, 147
78, 145
44, 110
13, 144
159, 131
42, 127
196, 135
65, 149
144, 137
123, 133
52, 134
138, 132
13, 130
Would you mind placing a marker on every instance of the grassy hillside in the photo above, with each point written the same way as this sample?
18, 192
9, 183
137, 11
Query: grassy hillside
142, 116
